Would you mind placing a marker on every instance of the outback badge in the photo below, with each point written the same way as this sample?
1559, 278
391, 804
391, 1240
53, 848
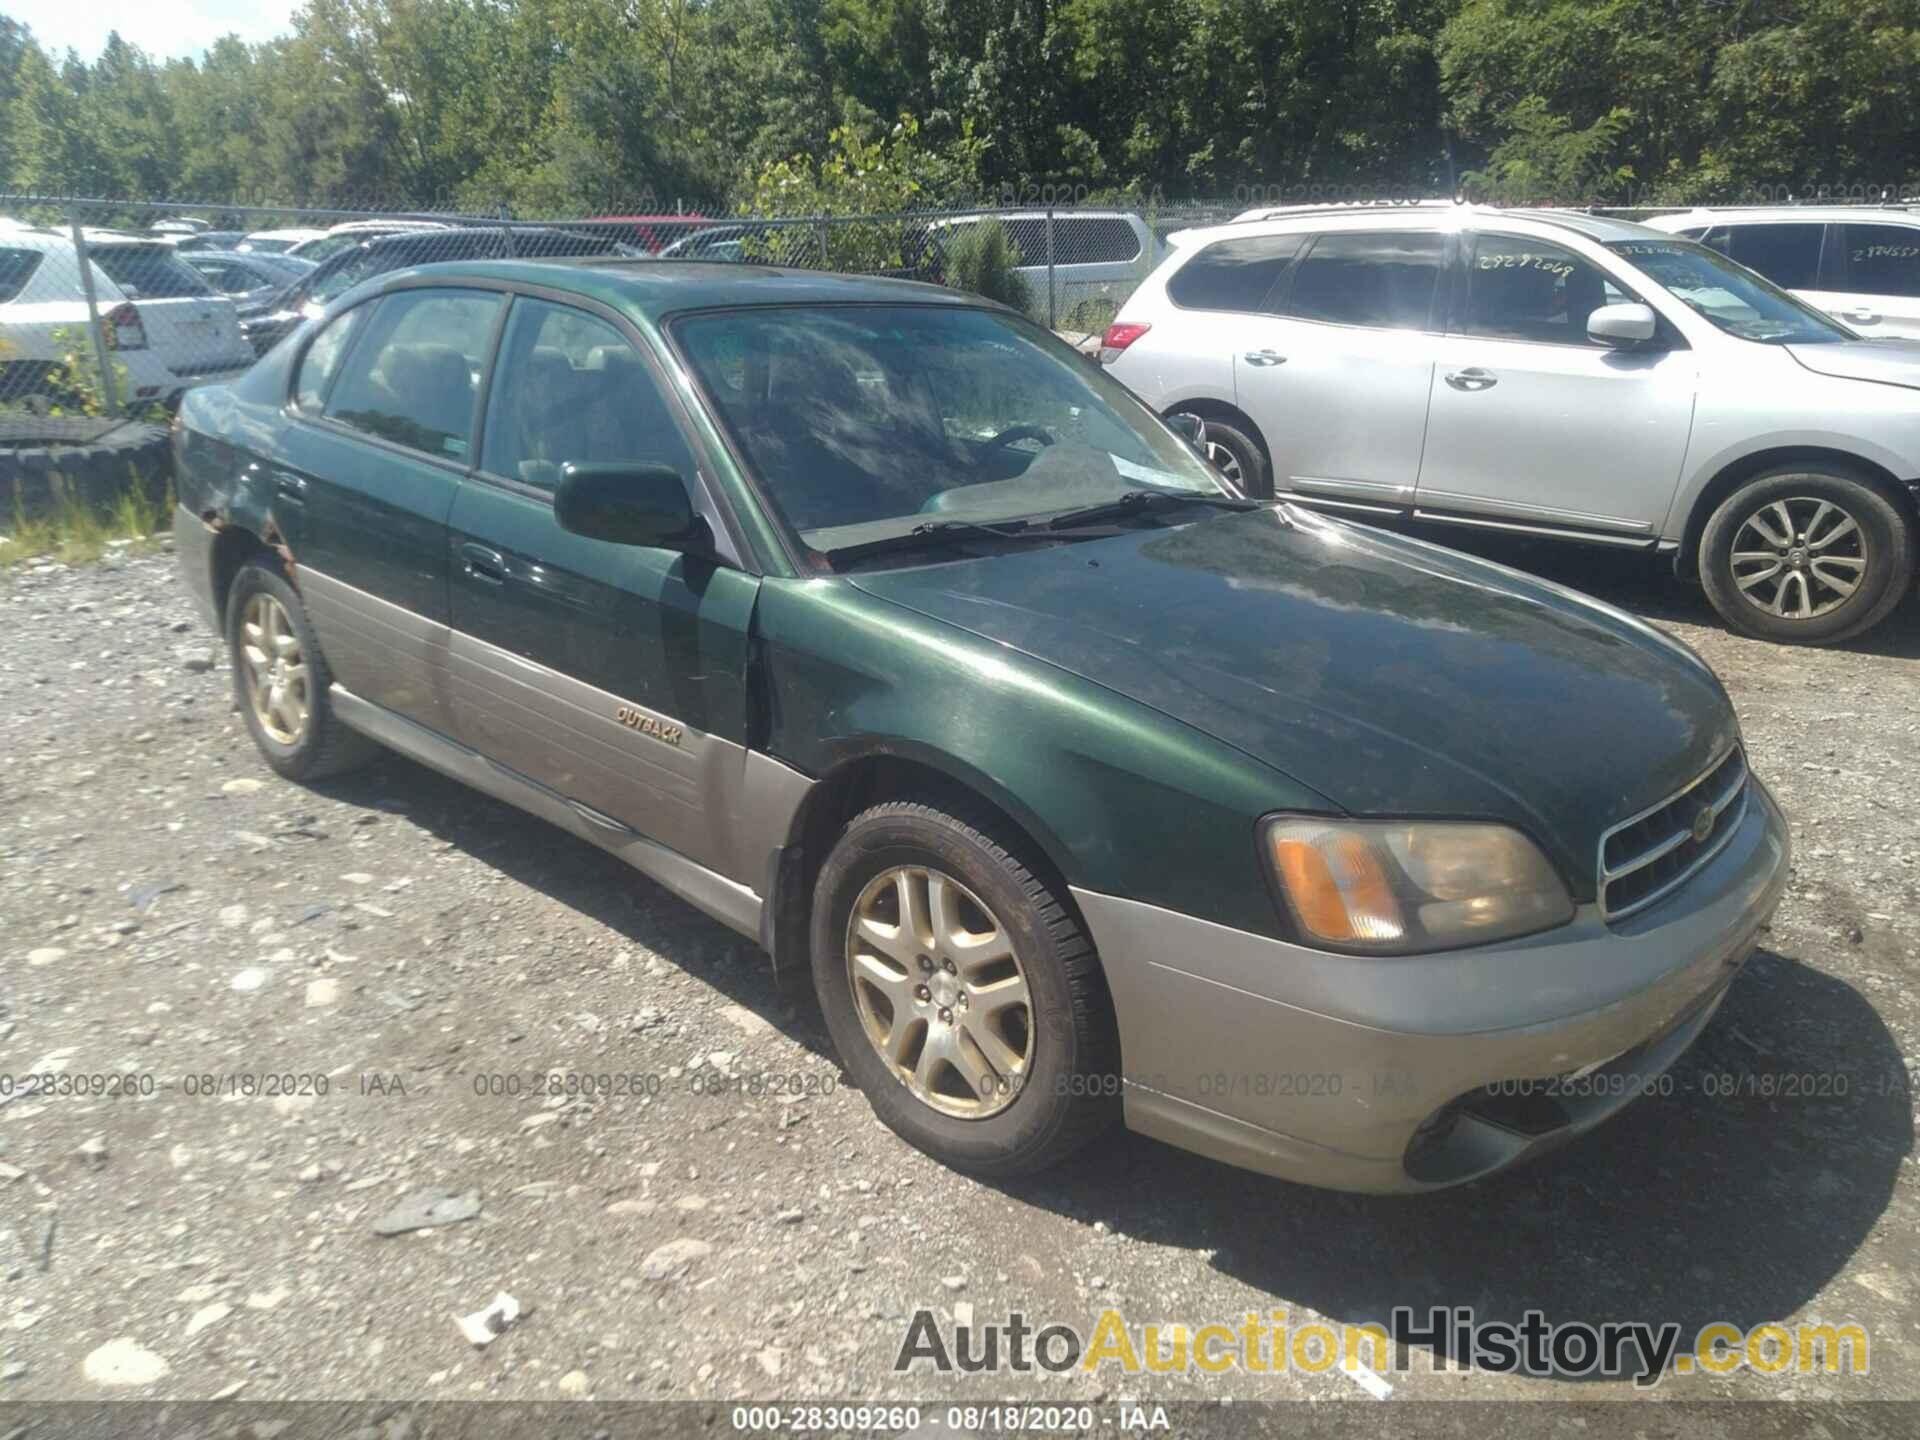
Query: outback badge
647, 725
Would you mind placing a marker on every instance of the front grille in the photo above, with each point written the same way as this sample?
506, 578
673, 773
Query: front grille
1644, 859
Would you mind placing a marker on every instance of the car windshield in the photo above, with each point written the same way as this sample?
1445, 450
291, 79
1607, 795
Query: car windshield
1730, 295
327, 245
866, 421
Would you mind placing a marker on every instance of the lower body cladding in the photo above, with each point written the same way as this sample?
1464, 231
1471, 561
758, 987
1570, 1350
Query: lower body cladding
1415, 1072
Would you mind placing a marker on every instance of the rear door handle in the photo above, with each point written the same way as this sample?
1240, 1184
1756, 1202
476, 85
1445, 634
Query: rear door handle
485, 565
1264, 357
1861, 316
292, 487
1472, 378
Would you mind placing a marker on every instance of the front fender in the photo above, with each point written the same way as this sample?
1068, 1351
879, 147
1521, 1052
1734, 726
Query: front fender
1121, 798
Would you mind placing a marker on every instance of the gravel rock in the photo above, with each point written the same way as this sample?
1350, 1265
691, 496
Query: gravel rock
428, 1209
123, 1362
675, 1258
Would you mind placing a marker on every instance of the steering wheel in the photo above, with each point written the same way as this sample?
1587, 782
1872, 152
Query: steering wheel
1020, 432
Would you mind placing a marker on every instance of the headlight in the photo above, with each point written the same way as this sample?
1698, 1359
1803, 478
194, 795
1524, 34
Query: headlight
1397, 887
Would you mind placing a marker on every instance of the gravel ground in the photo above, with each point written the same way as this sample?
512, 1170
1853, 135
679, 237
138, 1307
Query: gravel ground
171, 910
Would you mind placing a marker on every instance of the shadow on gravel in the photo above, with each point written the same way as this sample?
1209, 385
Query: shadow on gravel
1646, 585
1694, 1207
588, 880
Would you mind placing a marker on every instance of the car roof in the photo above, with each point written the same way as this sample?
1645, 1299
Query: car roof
1424, 215
646, 289
1747, 214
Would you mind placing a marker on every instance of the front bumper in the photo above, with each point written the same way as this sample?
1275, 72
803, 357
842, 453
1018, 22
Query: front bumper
1415, 1072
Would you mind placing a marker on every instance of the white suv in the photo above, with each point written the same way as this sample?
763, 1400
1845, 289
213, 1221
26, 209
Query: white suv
1858, 263
1550, 372
164, 324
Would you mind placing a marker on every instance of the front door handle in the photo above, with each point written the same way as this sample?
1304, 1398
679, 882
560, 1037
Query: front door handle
1264, 357
1860, 316
1472, 378
292, 487
485, 565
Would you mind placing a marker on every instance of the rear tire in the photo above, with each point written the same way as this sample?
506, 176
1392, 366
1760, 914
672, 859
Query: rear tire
281, 680
1807, 555
920, 1010
1236, 455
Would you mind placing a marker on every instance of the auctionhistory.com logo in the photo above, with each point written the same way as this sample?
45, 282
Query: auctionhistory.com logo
1269, 1344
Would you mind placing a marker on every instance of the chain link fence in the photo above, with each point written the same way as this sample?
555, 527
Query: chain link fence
112, 308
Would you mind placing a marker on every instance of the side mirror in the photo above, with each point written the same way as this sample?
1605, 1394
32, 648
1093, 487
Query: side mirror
628, 505
1622, 324
1190, 428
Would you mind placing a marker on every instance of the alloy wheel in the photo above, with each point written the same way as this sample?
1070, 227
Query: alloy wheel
1799, 558
940, 992
1224, 460
274, 670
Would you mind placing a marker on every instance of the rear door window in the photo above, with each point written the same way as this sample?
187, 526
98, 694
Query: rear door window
570, 387
1384, 279
1233, 274
1882, 259
1788, 254
149, 272
413, 376
323, 358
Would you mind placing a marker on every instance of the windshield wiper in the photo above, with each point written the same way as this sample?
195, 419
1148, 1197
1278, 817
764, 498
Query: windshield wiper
1137, 502
932, 534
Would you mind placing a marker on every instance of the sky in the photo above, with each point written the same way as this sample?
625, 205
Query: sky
163, 28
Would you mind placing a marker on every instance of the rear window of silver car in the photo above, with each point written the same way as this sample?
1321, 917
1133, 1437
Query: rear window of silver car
1236, 274
149, 272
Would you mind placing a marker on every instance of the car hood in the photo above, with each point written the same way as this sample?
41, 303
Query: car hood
1890, 362
1392, 676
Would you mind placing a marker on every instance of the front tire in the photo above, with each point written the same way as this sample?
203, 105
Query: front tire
961, 992
1806, 556
1237, 456
281, 680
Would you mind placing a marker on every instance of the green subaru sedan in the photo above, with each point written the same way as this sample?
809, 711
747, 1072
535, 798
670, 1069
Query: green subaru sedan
878, 624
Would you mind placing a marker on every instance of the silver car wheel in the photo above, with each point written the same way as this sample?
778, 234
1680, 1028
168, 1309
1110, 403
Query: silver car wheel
274, 670
939, 991
1799, 558
1224, 460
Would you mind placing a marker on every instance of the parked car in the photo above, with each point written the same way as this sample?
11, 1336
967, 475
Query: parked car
250, 279
652, 233
273, 242
1550, 373
206, 240
872, 620
163, 323
768, 244
376, 255
797, 245
349, 233
1859, 264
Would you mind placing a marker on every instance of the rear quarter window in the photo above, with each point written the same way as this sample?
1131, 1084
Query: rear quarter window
149, 272
1233, 274
16, 268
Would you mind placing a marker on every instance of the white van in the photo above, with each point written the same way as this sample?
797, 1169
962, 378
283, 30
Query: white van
1097, 254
